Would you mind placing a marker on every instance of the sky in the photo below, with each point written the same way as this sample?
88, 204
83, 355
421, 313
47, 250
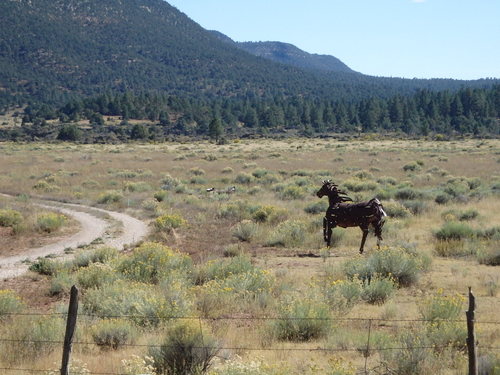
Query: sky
457, 39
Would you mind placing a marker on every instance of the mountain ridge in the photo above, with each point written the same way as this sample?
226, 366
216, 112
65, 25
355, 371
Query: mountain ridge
53, 50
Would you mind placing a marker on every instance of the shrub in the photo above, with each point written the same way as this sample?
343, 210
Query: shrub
442, 198
46, 266
301, 319
113, 333
292, 192
357, 185
454, 248
416, 207
168, 222
245, 230
188, 348
31, 338
160, 196
412, 167
316, 207
10, 218
489, 255
403, 265
221, 269
441, 307
271, 214
10, 303
169, 183
396, 210
454, 231
110, 197
137, 187
196, 171
95, 275
290, 233
342, 295
413, 357
408, 194
243, 178
378, 290
227, 170
142, 304
259, 173
152, 262
50, 222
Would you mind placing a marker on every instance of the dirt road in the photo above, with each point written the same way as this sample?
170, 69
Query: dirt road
92, 225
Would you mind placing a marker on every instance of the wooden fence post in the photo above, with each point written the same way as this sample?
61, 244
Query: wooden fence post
70, 330
471, 336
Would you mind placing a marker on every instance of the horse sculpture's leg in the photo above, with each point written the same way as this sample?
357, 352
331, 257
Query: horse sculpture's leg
365, 233
328, 225
378, 233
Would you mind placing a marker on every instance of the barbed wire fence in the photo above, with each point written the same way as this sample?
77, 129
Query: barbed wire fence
365, 347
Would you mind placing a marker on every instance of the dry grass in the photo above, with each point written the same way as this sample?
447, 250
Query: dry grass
82, 172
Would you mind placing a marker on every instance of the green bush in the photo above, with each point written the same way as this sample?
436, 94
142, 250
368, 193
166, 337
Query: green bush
245, 230
301, 319
411, 167
10, 303
160, 195
137, 187
357, 185
46, 266
489, 255
408, 193
31, 338
402, 265
454, 231
442, 198
152, 262
269, 214
290, 233
243, 178
110, 197
396, 210
378, 290
10, 218
95, 275
167, 222
316, 207
50, 222
188, 348
113, 333
416, 207
141, 303
342, 295
221, 269
292, 192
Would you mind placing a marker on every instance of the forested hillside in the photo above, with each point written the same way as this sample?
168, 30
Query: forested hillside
62, 61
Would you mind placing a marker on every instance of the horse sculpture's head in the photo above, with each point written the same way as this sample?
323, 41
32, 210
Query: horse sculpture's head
331, 190
327, 189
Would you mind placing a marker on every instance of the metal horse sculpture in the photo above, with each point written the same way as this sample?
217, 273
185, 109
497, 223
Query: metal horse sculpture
346, 215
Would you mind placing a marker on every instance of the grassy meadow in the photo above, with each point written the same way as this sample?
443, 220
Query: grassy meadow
246, 272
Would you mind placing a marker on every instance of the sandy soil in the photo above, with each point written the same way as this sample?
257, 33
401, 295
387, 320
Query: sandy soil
92, 225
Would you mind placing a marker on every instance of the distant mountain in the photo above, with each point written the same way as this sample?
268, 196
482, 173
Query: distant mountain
53, 50
289, 54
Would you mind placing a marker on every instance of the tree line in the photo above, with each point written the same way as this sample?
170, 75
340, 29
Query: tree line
466, 111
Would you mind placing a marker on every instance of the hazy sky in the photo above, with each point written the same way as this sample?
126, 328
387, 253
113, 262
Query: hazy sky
399, 38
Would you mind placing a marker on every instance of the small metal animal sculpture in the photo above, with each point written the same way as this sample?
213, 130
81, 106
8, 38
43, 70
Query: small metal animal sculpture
346, 215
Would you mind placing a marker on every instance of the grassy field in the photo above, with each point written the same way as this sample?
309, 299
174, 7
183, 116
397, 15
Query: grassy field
241, 259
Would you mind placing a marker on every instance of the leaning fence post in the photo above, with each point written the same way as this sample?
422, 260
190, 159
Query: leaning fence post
70, 330
471, 337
